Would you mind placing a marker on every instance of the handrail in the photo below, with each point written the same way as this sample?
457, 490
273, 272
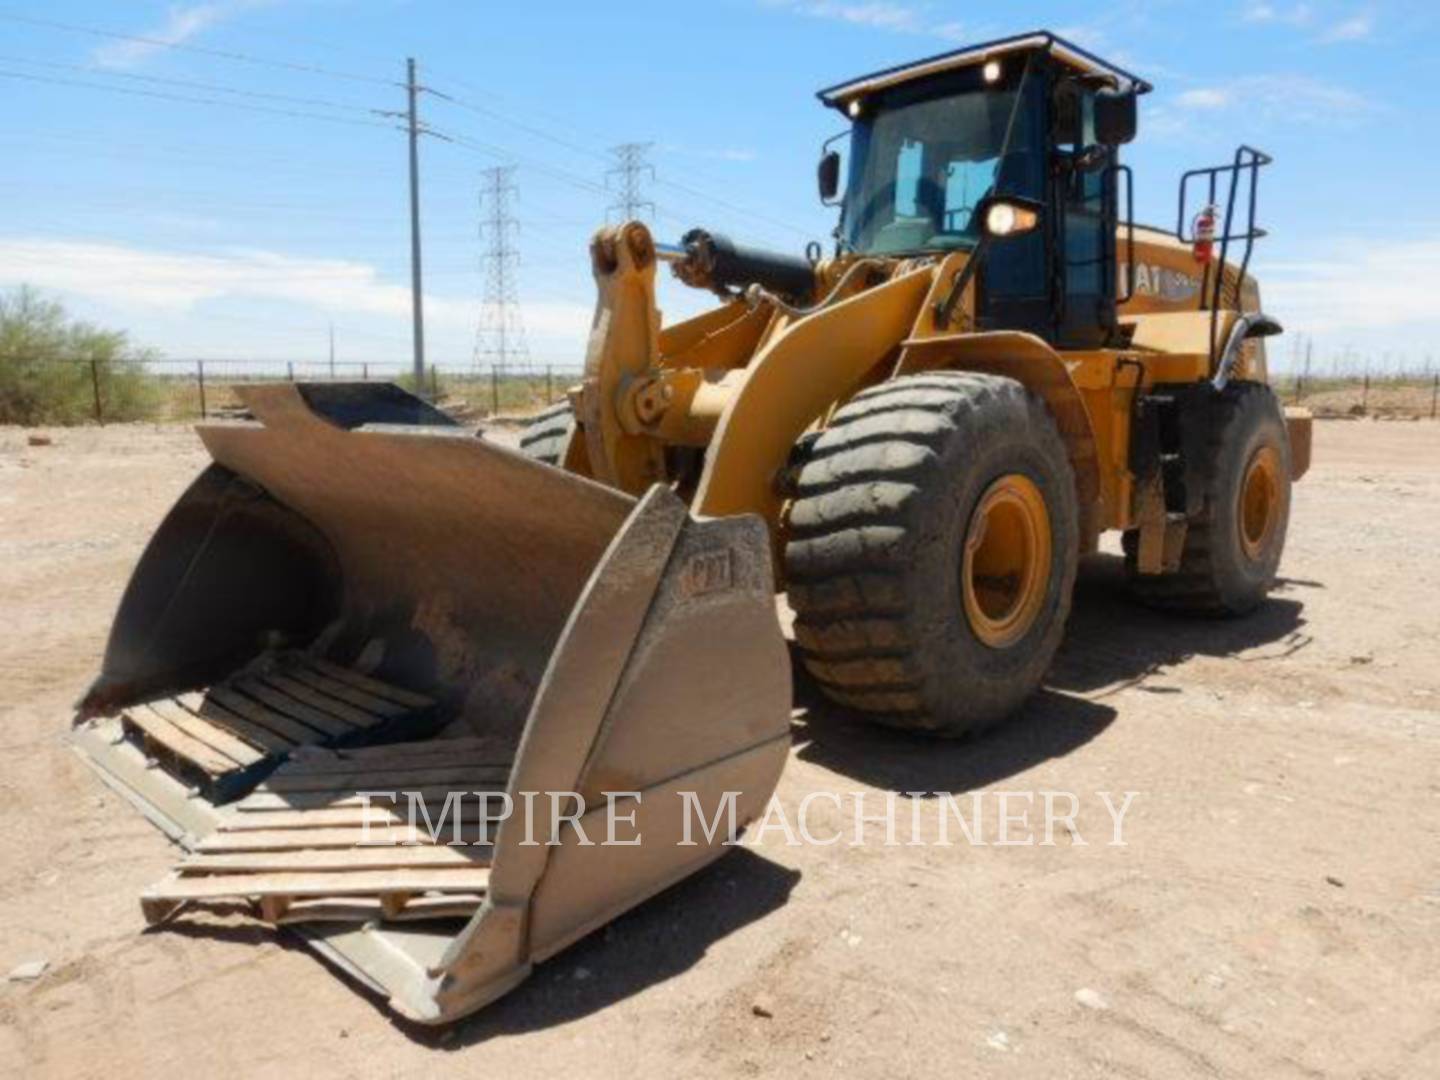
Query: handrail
1247, 160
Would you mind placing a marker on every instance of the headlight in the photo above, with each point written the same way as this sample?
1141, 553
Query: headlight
1005, 218
1001, 220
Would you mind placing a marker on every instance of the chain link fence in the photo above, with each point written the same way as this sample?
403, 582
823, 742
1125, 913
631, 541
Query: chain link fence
77, 391
1400, 396
73, 391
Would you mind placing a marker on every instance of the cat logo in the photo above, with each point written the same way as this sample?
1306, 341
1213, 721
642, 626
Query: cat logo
1151, 279
707, 572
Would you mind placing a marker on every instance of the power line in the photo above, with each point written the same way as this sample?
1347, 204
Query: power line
505, 154
223, 54
778, 222
519, 125
316, 69
163, 95
500, 335
552, 119
630, 202
489, 149
590, 151
188, 84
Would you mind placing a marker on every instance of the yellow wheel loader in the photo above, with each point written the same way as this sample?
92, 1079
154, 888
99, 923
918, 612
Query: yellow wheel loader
995, 366
361, 618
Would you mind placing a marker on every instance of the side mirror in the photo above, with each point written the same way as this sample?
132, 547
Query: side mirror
1115, 120
829, 175
1004, 216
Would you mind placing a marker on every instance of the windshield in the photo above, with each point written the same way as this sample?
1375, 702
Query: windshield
918, 170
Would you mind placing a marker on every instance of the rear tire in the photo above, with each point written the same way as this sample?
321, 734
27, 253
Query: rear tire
548, 433
890, 499
1233, 547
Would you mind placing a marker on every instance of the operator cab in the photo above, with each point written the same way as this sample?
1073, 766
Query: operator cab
1031, 124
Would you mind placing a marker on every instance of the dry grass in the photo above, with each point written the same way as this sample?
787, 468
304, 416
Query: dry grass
464, 395
1390, 397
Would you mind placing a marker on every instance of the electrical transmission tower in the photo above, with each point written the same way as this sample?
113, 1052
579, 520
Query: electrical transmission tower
500, 337
630, 167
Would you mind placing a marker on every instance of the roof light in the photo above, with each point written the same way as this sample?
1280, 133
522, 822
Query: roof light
991, 71
855, 107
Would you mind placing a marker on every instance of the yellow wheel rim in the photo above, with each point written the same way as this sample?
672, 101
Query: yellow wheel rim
1259, 511
1005, 570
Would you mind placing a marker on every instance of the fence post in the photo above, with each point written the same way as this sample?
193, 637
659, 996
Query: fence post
1434, 393
290, 370
494, 391
365, 372
1365, 396
95, 386
549, 385
434, 384
200, 381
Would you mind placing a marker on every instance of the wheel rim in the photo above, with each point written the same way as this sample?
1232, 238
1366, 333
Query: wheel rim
1005, 570
1259, 509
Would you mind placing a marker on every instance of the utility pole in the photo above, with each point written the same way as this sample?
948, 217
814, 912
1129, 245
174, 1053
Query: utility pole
332, 350
500, 335
417, 303
630, 167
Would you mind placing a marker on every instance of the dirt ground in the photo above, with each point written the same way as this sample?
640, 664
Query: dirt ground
1275, 911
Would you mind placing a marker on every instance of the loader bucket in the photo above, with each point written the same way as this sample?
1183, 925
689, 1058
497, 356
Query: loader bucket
354, 571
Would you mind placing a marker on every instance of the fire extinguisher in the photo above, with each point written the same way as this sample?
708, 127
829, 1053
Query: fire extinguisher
1204, 228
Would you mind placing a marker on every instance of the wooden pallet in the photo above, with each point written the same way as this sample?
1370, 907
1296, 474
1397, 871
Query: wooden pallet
305, 846
224, 741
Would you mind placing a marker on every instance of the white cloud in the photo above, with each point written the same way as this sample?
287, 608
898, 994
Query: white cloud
1162, 122
880, 16
730, 153
1355, 28
180, 25
1361, 285
1292, 15
1098, 39
176, 281
1296, 98
1204, 98
173, 283
888, 15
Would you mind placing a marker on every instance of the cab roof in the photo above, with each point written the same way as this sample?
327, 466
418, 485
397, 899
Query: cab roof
1067, 52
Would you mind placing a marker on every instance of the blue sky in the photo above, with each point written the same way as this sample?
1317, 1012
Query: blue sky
211, 229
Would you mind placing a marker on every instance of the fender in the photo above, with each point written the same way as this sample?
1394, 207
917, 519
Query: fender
1040, 369
804, 369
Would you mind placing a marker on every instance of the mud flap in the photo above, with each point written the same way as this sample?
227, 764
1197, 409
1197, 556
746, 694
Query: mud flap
1300, 427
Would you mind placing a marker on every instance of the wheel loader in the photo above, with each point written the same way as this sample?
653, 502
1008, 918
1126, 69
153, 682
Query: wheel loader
361, 613
995, 366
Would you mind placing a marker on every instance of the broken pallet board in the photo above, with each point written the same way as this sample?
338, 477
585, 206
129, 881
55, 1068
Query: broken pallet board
224, 741
304, 847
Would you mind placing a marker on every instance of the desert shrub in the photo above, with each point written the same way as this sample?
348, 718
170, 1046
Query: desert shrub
434, 385
51, 363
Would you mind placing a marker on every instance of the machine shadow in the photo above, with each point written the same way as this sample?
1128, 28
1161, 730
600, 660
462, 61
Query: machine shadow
1049, 725
1111, 643
649, 944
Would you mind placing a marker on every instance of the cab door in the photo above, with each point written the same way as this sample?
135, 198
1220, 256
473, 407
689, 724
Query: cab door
1084, 198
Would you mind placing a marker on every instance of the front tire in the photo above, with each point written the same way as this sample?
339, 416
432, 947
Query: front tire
547, 435
931, 551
